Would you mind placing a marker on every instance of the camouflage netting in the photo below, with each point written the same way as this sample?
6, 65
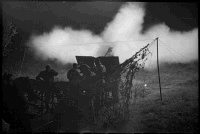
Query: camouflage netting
117, 90
109, 97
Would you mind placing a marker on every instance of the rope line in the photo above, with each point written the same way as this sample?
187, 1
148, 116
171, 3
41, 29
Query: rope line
89, 43
177, 61
171, 52
175, 56
175, 51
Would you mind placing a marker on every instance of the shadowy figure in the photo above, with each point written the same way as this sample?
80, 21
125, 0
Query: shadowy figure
68, 112
86, 71
48, 77
76, 108
100, 92
74, 75
88, 77
85, 101
100, 68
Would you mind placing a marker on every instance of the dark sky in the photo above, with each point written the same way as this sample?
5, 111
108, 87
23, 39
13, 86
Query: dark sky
39, 17
178, 16
42, 16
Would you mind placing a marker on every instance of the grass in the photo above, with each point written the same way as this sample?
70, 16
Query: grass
177, 112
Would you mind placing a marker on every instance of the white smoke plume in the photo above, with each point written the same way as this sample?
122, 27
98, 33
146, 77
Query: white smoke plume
64, 43
179, 47
124, 35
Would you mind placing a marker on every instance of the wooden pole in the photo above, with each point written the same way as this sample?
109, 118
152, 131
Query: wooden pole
22, 62
158, 71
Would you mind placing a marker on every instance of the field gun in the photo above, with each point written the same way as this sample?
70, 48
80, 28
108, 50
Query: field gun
115, 104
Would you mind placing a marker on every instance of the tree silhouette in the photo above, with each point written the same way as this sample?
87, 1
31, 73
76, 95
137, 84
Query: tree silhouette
9, 31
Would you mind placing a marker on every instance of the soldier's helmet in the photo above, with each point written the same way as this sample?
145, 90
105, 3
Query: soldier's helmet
97, 61
75, 65
84, 68
48, 67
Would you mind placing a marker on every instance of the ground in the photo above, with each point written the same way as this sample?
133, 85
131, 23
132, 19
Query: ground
178, 110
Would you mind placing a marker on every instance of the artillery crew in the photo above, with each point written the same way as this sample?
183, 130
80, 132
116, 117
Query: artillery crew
75, 76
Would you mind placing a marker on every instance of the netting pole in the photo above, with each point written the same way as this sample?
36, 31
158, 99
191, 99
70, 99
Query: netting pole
158, 71
22, 62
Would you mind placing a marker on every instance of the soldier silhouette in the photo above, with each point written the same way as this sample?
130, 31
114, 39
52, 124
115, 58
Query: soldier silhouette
47, 76
100, 68
73, 74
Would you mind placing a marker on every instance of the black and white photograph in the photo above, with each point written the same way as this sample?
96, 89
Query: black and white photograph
100, 67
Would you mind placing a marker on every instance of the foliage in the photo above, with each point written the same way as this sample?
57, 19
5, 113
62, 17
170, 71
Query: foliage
9, 31
121, 81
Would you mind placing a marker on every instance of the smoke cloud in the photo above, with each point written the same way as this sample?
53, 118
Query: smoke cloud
123, 34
